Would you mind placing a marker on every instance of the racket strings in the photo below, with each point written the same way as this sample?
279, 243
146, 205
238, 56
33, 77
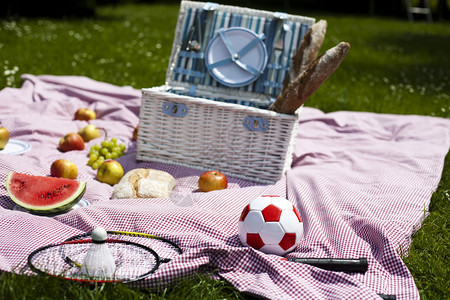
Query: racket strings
166, 249
135, 256
50, 261
132, 261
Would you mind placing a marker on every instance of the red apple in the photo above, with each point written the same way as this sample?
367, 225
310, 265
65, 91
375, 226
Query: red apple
4, 137
64, 168
135, 133
110, 172
212, 181
71, 141
85, 114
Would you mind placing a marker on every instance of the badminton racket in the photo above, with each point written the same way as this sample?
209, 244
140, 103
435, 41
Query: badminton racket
133, 261
359, 265
166, 249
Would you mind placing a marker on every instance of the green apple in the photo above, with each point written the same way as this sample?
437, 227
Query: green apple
110, 172
85, 114
90, 132
64, 168
212, 181
4, 137
71, 141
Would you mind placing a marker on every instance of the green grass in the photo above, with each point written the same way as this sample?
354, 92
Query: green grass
13, 286
392, 67
428, 255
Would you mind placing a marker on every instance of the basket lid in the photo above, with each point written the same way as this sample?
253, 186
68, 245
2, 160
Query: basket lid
222, 51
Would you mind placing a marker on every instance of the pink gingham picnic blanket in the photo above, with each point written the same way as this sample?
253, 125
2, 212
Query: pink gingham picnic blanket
361, 181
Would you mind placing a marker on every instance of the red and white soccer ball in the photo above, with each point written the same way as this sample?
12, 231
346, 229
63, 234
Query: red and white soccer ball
270, 224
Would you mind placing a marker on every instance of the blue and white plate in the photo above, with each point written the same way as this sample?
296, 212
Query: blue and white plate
81, 203
236, 56
15, 147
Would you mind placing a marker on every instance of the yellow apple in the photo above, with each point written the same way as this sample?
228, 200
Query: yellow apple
90, 132
64, 168
110, 172
85, 114
4, 137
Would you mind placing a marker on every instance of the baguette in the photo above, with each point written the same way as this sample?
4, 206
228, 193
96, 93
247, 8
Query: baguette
307, 52
304, 85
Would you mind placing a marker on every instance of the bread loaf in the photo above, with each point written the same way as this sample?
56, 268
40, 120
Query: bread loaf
144, 183
307, 51
299, 90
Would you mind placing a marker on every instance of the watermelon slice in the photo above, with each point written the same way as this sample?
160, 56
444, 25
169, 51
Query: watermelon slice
44, 195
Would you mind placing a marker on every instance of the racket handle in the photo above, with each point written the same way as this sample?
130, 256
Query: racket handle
336, 264
387, 297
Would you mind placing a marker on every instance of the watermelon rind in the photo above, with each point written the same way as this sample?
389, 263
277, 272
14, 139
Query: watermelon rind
59, 207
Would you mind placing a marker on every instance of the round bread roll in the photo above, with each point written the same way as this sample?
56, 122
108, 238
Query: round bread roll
144, 183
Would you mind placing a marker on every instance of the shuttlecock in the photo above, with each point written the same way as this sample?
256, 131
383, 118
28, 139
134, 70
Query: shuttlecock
99, 262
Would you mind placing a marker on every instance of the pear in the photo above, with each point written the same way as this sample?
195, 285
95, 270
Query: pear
89, 132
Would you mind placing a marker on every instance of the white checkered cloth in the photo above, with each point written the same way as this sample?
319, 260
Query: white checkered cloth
361, 182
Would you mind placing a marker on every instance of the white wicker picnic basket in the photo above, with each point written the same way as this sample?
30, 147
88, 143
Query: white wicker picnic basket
212, 112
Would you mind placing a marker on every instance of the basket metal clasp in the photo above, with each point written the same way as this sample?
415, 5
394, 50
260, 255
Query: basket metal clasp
255, 123
173, 109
